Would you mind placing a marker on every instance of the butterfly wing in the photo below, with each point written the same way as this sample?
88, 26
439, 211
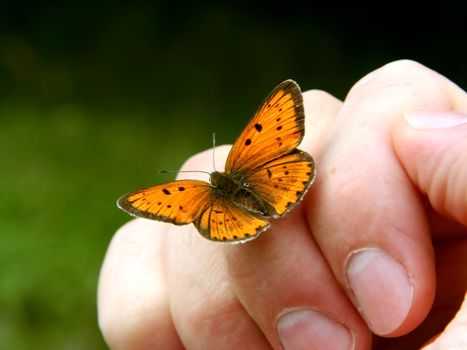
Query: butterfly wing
225, 221
276, 129
179, 202
186, 201
264, 157
265, 154
282, 182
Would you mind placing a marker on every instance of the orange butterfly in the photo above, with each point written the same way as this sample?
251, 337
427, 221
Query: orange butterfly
265, 176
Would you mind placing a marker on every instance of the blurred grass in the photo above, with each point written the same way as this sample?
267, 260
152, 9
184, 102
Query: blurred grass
63, 170
95, 99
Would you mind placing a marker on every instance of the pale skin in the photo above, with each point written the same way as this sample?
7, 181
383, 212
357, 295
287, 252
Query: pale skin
352, 267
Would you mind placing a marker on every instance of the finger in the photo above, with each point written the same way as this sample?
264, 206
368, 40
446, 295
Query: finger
287, 288
432, 148
133, 307
206, 313
364, 213
283, 281
320, 108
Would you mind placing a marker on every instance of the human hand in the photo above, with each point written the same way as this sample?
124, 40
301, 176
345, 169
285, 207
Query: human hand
365, 238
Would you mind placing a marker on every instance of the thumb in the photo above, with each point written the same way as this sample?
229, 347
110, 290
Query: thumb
432, 147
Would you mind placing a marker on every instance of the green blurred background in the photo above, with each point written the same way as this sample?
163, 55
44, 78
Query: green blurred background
96, 97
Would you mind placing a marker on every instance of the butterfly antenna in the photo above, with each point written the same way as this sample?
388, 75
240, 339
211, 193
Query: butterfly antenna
214, 151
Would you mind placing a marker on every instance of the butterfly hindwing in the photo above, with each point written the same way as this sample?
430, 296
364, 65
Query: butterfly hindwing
225, 221
276, 129
283, 182
179, 202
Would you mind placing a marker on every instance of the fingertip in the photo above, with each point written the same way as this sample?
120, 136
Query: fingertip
371, 272
431, 147
427, 120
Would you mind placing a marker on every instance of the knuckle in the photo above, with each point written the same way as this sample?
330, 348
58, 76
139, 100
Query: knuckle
318, 96
209, 321
403, 66
396, 79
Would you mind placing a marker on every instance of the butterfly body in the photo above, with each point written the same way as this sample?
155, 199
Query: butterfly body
236, 189
227, 185
265, 177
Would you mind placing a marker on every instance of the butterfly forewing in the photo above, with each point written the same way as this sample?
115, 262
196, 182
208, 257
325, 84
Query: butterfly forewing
276, 129
225, 221
179, 202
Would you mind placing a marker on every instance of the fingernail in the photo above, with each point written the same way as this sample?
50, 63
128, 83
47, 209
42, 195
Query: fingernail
382, 289
434, 120
308, 329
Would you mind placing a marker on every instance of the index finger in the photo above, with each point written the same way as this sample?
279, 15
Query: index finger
365, 213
